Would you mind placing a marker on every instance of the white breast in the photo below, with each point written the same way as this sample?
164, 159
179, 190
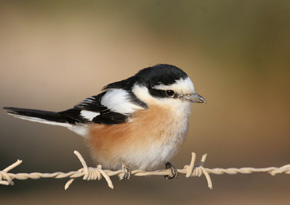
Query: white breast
157, 150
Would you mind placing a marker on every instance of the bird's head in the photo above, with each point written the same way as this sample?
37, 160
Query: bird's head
161, 84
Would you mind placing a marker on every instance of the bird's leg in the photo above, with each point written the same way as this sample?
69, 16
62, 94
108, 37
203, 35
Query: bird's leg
126, 172
174, 173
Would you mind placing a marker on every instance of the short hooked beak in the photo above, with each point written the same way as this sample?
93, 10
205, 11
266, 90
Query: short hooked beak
195, 98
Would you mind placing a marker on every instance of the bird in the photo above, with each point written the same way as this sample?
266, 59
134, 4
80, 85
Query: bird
137, 123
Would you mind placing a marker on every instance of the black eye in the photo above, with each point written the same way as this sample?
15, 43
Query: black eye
169, 93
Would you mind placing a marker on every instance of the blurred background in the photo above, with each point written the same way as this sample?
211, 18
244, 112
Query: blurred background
54, 54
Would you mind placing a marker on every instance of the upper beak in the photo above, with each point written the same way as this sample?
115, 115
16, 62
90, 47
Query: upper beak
196, 98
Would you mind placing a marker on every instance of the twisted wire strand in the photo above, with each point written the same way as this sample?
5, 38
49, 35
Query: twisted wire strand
97, 173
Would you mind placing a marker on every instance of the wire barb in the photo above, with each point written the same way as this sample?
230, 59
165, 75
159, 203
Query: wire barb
4, 174
90, 173
97, 173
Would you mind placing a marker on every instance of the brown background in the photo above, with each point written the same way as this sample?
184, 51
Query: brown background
55, 54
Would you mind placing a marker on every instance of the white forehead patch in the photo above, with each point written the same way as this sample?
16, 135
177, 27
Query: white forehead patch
182, 86
118, 100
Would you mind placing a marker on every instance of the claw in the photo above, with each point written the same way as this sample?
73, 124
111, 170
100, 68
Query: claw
174, 173
126, 172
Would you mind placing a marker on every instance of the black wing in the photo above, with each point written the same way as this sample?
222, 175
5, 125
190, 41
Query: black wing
88, 111
93, 104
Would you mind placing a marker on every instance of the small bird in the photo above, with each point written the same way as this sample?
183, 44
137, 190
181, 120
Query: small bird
138, 123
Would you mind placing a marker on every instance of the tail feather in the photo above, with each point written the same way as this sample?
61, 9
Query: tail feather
41, 116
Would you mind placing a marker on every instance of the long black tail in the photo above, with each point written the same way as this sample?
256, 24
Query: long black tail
47, 117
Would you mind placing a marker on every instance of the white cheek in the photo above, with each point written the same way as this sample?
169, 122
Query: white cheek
176, 106
143, 94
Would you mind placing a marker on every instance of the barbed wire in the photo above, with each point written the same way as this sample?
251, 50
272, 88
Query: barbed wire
97, 173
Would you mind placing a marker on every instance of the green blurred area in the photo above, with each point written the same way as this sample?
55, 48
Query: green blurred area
54, 54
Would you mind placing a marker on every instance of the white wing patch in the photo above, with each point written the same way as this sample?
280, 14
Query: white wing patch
118, 100
89, 115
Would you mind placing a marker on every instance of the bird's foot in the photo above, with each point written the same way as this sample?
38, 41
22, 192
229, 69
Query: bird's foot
126, 172
173, 170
